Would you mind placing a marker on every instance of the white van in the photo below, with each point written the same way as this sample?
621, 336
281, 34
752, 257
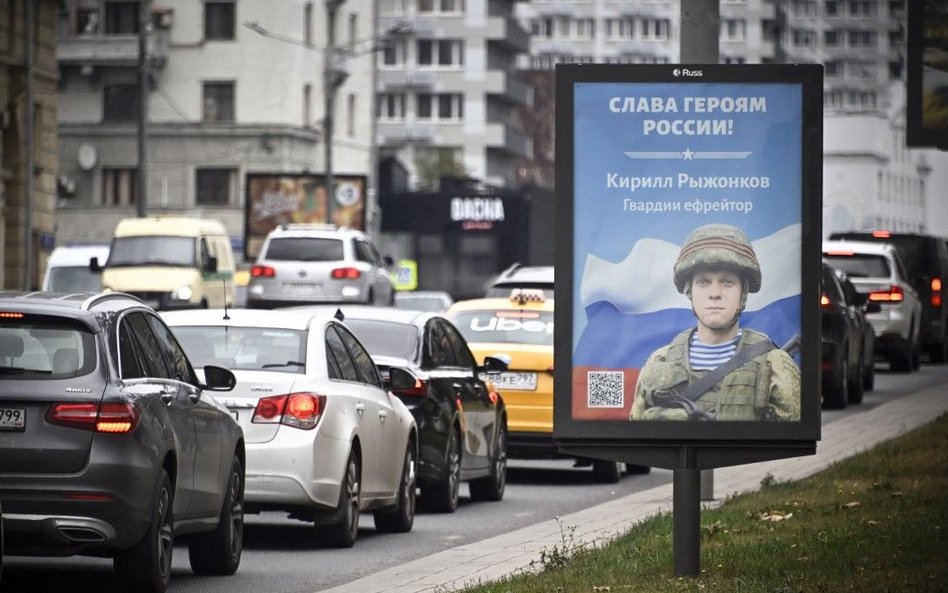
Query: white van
171, 262
67, 269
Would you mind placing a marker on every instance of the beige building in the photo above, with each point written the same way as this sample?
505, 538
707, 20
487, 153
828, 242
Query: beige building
28, 85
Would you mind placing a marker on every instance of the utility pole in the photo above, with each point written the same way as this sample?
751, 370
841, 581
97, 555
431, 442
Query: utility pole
144, 71
333, 77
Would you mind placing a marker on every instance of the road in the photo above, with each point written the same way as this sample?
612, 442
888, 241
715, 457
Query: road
281, 557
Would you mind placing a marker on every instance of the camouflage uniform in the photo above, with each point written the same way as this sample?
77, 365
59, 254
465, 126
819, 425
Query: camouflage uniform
766, 387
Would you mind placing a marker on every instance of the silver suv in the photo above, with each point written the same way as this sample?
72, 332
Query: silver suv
302, 264
521, 276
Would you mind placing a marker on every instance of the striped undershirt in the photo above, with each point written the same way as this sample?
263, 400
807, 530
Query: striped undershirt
707, 357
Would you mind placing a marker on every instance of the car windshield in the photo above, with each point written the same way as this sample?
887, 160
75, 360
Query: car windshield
304, 249
39, 347
73, 279
861, 266
152, 251
244, 348
506, 326
385, 338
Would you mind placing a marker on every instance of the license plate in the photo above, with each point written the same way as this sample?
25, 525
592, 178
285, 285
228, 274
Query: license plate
524, 381
12, 419
296, 288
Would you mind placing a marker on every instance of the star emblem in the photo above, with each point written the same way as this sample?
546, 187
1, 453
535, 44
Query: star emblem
687, 154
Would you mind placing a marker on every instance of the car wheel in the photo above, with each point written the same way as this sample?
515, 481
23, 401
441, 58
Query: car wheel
146, 567
606, 472
836, 396
442, 496
218, 552
492, 487
401, 519
855, 386
343, 533
634, 468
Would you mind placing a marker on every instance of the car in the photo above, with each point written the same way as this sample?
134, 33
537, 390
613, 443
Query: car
304, 264
519, 331
876, 270
926, 264
847, 340
434, 301
67, 269
325, 440
110, 445
462, 422
521, 276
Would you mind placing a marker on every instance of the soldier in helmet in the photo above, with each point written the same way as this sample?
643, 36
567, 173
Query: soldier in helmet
718, 370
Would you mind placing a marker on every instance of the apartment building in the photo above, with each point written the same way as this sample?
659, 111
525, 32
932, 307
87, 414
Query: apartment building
237, 90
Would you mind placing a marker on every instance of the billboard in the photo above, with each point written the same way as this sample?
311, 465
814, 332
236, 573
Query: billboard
275, 199
688, 207
926, 111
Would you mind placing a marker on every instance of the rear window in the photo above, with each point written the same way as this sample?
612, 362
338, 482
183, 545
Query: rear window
384, 338
244, 348
41, 347
304, 249
506, 326
913, 251
861, 266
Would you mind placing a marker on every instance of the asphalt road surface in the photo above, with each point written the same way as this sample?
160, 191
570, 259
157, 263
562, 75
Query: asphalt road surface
280, 555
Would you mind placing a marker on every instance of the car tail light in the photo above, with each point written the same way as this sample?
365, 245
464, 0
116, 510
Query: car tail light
825, 301
262, 272
494, 397
114, 418
893, 295
936, 292
346, 274
299, 410
881, 234
419, 389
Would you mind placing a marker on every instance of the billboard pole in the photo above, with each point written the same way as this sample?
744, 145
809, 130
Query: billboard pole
698, 44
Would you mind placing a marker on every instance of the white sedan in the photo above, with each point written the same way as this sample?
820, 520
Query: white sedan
324, 439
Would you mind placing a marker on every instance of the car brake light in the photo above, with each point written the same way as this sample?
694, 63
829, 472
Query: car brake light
881, 234
262, 272
936, 292
346, 274
893, 295
299, 410
825, 301
114, 418
494, 397
419, 389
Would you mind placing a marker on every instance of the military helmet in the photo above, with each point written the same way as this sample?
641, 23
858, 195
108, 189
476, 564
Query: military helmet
717, 246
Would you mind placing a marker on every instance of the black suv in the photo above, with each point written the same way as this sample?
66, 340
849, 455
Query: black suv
110, 445
926, 261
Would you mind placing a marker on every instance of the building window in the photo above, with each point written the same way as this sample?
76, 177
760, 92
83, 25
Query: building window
308, 23
120, 102
119, 186
214, 187
862, 39
585, 28
307, 105
655, 29
833, 69
353, 29
350, 115
392, 7
803, 38
121, 18
832, 8
440, 6
219, 21
862, 8
440, 106
440, 53
218, 101
393, 54
391, 106
733, 29
831, 38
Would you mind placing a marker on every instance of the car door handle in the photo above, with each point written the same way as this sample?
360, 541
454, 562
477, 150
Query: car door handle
382, 415
457, 388
360, 409
167, 397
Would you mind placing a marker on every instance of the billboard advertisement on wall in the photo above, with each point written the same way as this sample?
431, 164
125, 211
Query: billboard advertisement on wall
275, 199
926, 111
688, 205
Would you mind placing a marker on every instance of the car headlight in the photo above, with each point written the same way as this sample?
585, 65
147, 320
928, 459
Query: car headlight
182, 293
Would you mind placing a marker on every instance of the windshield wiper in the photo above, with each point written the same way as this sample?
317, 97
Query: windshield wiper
289, 363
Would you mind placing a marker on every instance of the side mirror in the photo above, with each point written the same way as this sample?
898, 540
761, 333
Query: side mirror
401, 380
493, 365
873, 307
211, 265
94, 266
218, 379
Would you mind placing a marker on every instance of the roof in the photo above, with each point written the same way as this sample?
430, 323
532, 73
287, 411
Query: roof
315, 230
75, 305
406, 316
283, 318
867, 247
168, 225
493, 304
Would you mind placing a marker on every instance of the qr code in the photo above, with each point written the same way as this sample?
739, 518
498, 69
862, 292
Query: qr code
606, 389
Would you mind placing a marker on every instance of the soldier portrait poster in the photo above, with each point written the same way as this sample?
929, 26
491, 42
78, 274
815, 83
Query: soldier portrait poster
656, 153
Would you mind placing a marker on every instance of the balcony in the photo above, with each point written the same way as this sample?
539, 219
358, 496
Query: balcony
109, 50
402, 133
390, 80
508, 87
505, 137
508, 32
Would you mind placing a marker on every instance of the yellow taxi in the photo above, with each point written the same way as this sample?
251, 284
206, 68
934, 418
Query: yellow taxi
518, 330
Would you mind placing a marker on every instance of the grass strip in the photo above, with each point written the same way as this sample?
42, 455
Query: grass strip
874, 523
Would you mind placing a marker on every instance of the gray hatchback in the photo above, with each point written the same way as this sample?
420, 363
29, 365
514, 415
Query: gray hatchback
110, 444
304, 264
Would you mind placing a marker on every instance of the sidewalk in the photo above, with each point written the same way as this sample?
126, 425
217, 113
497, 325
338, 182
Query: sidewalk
513, 552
